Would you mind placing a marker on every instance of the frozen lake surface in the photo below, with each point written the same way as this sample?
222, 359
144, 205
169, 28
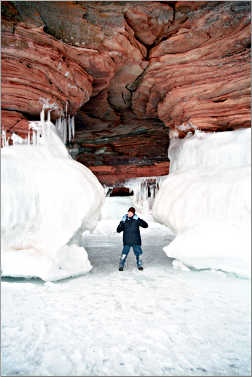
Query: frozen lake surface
160, 321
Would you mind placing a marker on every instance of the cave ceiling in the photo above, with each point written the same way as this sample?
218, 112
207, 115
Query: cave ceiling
133, 74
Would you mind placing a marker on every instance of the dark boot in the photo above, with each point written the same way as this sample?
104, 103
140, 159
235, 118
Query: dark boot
120, 268
140, 268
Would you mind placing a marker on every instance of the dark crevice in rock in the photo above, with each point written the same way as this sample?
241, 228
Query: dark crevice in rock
220, 100
28, 116
114, 138
134, 85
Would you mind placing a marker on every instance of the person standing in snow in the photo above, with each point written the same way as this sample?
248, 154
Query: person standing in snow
130, 224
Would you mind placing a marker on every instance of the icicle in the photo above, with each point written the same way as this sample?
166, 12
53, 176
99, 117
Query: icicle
42, 114
42, 121
4, 138
69, 129
73, 126
61, 128
57, 125
64, 130
34, 137
13, 138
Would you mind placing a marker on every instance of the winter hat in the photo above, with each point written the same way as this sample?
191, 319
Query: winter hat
132, 209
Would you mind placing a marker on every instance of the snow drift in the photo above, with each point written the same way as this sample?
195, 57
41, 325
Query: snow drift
48, 200
205, 200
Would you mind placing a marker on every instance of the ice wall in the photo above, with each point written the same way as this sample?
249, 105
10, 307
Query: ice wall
206, 201
48, 200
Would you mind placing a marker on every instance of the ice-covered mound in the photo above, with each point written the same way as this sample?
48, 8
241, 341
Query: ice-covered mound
206, 200
48, 200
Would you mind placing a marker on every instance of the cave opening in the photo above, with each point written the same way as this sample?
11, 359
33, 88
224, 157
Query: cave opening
119, 146
120, 191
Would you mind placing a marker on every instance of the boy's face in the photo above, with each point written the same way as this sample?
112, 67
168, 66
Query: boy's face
130, 214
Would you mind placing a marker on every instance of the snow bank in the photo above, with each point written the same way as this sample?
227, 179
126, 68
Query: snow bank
48, 200
205, 200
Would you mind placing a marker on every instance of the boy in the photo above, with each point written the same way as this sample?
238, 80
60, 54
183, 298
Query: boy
130, 224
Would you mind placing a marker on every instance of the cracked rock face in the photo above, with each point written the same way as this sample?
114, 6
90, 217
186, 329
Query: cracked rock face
132, 73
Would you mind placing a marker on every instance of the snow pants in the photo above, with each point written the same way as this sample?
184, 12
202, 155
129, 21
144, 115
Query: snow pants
137, 251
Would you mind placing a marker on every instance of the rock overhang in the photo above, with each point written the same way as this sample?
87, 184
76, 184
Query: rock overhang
132, 73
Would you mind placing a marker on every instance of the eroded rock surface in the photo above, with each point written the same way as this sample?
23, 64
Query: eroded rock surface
133, 74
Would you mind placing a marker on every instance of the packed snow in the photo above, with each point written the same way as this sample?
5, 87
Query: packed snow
48, 200
156, 322
206, 201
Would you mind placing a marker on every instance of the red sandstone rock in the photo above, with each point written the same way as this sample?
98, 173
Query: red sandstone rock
111, 175
14, 122
202, 78
150, 21
36, 69
123, 67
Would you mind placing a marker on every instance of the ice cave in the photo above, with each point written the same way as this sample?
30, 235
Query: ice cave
108, 105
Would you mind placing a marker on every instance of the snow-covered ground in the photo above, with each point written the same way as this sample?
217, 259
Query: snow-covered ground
161, 321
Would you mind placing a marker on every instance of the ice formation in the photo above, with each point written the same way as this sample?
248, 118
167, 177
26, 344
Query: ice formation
206, 201
144, 192
65, 126
48, 200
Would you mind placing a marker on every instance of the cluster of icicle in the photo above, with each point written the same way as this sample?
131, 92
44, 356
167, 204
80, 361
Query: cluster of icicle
145, 190
37, 129
66, 128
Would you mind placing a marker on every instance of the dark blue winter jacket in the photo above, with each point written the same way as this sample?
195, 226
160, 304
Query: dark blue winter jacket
130, 227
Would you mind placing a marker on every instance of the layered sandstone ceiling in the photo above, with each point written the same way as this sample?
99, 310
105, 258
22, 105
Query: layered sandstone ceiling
132, 73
